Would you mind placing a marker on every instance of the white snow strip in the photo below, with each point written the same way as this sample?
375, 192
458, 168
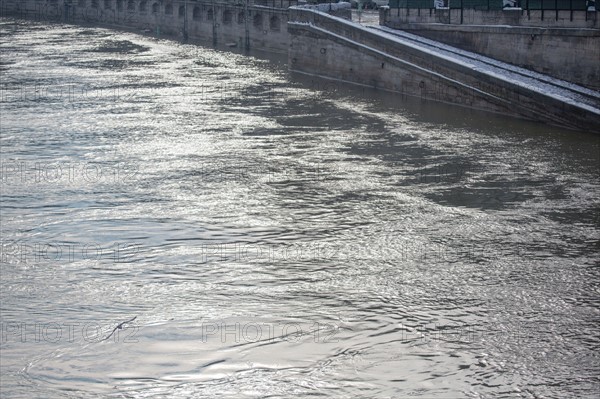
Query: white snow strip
512, 68
415, 66
558, 91
548, 86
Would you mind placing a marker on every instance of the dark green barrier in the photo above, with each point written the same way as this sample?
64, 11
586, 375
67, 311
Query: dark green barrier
485, 5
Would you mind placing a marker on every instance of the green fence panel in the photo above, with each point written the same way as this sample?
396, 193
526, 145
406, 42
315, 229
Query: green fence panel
534, 4
563, 5
494, 4
398, 3
476, 4
579, 5
419, 4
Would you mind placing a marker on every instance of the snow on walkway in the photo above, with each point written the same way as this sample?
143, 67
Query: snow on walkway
560, 89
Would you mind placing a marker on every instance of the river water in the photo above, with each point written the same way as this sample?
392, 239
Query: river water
280, 236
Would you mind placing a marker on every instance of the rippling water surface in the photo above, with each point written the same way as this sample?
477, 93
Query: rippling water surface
280, 236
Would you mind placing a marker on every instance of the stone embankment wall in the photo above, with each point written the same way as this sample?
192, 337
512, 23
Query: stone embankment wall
219, 22
331, 46
325, 45
561, 45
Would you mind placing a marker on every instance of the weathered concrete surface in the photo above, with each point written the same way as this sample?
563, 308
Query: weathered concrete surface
223, 22
339, 49
571, 54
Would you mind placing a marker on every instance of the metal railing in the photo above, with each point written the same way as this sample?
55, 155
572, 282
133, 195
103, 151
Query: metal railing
274, 3
287, 3
489, 5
